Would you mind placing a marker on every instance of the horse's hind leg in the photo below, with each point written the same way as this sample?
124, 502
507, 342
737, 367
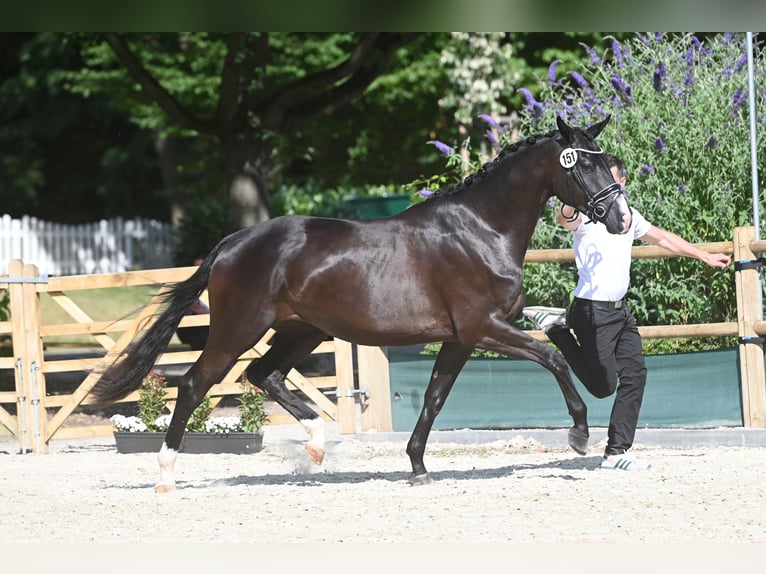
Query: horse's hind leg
269, 372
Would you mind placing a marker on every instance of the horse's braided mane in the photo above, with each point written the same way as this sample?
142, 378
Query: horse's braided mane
491, 164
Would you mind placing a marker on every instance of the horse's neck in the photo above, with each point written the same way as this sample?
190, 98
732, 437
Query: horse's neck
514, 206
513, 196
525, 221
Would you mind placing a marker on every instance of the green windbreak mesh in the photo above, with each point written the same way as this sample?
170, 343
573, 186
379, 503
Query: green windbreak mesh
685, 390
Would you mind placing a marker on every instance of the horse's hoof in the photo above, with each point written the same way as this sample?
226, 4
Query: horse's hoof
578, 440
419, 479
315, 454
164, 487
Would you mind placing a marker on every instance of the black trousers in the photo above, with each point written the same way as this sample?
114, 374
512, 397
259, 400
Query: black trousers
606, 356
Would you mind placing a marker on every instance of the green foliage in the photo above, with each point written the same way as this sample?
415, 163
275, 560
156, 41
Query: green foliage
187, 65
481, 73
200, 416
262, 110
680, 123
151, 400
5, 305
310, 199
151, 409
151, 405
481, 70
81, 137
434, 348
200, 229
252, 413
66, 158
378, 139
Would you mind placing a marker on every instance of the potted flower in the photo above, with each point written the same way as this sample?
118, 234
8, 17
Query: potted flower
204, 433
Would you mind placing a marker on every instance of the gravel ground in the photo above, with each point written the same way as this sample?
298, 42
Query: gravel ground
510, 490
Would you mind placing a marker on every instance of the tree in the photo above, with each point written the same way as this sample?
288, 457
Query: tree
83, 140
65, 158
267, 85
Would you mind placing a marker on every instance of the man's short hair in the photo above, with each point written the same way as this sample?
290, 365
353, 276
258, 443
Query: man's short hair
614, 161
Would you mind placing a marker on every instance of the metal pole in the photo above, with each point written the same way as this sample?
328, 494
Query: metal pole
35, 410
753, 141
754, 155
20, 416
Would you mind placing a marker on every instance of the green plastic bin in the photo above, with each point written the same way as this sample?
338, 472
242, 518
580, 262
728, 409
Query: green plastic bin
372, 207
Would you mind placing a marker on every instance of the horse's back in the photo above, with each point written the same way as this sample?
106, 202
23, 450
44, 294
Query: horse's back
346, 277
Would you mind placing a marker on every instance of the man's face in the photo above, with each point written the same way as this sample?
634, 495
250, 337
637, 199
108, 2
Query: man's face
618, 177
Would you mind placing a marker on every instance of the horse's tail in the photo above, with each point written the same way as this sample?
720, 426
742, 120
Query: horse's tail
127, 372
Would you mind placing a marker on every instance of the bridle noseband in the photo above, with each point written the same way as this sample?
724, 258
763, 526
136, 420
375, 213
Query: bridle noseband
598, 203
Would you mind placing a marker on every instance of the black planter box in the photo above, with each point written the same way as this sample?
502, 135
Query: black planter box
192, 442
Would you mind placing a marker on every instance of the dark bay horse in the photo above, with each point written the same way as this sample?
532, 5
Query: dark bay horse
447, 269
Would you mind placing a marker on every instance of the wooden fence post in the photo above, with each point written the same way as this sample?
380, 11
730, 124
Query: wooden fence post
372, 363
32, 416
344, 374
749, 312
34, 350
24, 432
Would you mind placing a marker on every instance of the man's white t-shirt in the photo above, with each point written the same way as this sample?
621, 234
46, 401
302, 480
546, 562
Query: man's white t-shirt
603, 259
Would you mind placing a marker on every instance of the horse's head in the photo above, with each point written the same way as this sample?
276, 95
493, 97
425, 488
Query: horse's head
588, 184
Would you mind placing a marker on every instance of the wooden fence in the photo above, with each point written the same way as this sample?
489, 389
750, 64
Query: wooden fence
40, 413
361, 402
105, 246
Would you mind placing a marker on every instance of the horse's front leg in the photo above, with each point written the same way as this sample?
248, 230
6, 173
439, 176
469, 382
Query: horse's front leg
504, 338
449, 363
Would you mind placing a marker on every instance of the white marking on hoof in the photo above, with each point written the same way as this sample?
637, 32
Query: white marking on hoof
315, 445
167, 459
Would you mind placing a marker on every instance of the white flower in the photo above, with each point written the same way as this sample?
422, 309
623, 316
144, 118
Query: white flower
219, 425
223, 425
162, 422
128, 424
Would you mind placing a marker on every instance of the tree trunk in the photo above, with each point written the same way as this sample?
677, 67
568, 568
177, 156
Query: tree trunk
171, 153
247, 175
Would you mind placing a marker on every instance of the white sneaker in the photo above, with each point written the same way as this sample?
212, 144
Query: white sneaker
545, 317
624, 461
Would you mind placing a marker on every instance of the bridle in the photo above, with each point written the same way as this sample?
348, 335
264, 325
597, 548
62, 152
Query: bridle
598, 204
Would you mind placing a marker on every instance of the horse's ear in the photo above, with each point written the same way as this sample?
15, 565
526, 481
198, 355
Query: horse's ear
596, 129
564, 129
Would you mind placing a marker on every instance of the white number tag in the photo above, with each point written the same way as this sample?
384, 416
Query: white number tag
568, 158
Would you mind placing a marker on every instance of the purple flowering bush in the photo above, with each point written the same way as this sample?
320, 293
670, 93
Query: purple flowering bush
680, 122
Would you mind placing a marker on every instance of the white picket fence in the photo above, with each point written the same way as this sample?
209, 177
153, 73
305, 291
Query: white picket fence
106, 246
